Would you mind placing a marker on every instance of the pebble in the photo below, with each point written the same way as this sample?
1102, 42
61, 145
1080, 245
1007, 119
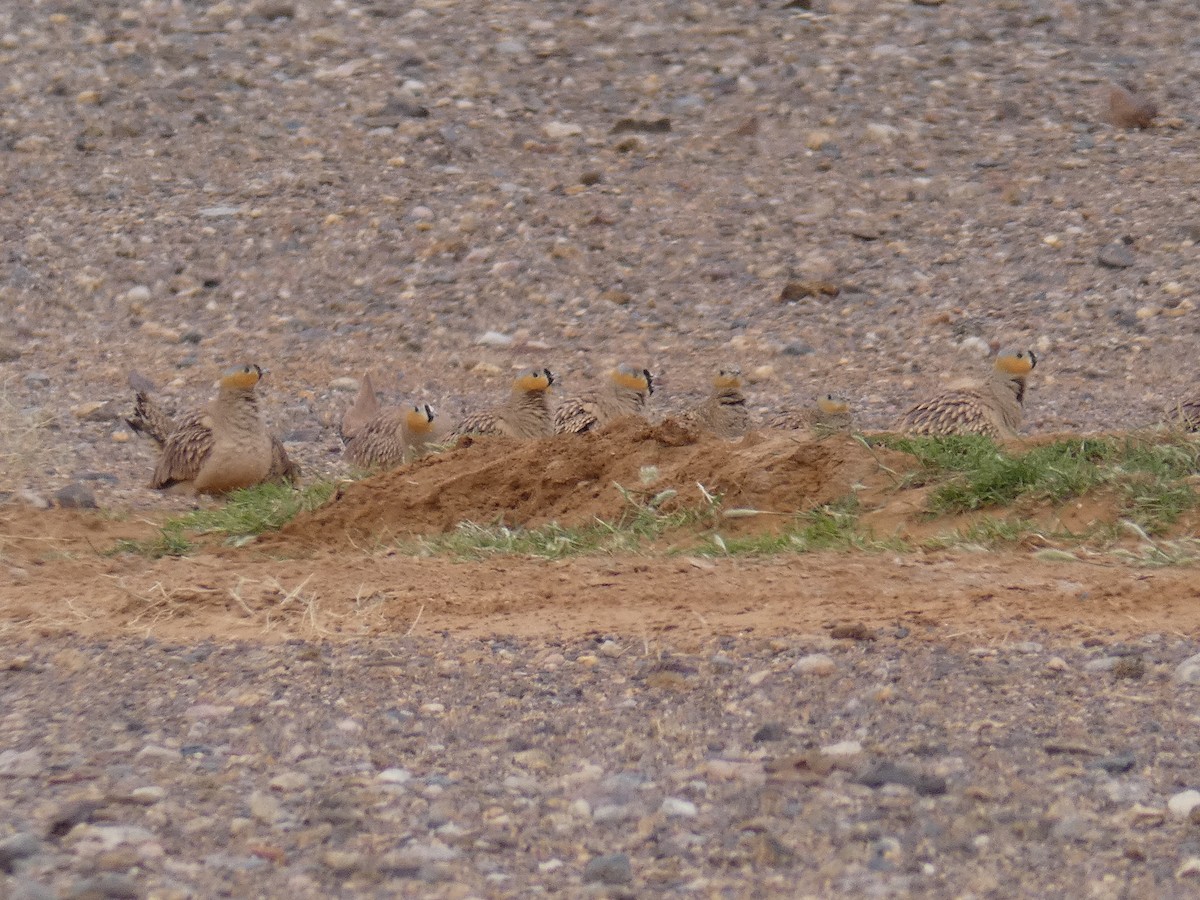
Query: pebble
1129, 110
344, 383
1188, 671
559, 130
24, 889
74, 496
772, 731
265, 808
843, 748
1181, 805
148, 795
20, 763
290, 781
105, 885
34, 380
677, 808
885, 773
819, 664
17, 846
612, 869
494, 339
1116, 256
395, 776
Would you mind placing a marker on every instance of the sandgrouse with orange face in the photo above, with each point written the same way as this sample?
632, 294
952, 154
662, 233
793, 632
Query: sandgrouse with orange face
994, 407
723, 412
626, 394
219, 448
525, 414
393, 437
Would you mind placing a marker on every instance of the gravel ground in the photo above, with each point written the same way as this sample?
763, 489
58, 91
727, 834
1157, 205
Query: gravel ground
808, 766
440, 197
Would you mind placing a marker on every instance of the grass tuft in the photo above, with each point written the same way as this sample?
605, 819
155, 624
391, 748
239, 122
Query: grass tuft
1149, 474
245, 514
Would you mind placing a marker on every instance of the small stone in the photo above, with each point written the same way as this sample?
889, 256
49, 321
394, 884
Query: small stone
1116, 256
20, 763
219, 212
74, 496
139, 293
343, 862
148, 795
891, 773
494, 339
818, 664
290, 781
612, 869
17, 846
533, 760
1057, 664
9, 352
815, 140
1101, 664
1181, 805
1188, 671
772, 731
854, 632
882, 133
24, 889
677, 808
1189, 868
395, 776
1129, 110
35, 380
345, 383
110, 885
1132, 667
1117, 763
559, 130
264, 808
843, 748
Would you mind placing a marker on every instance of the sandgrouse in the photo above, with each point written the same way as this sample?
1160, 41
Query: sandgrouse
219, 448
393, 437
829, 413
624, 395
525, 414
993, 408
724, 411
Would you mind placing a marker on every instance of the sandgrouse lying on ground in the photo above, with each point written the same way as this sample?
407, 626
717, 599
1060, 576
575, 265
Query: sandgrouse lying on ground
724, 411
393, 437
525, 414
830, 413
625, 395
219, 448
993, 408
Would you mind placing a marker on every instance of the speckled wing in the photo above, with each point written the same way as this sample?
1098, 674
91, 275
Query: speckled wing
792, 420
378, 443
485, 422
576, 415
185, 450
955, 412
148, 418
283, 469
1186, 415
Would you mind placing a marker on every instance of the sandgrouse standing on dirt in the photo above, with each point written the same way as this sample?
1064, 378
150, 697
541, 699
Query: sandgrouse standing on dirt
363, 410
724, 411
830, 413
220, 448
625, 395
393, 437
526, 413
993, 408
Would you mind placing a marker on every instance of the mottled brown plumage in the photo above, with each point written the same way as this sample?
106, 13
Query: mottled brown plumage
830, 413
993, 408
625, 395
393, 437
219, 448
724, 411
526, 413
1185, 415
363, 410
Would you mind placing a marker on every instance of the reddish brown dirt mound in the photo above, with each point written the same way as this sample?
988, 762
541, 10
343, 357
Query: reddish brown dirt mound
571, 479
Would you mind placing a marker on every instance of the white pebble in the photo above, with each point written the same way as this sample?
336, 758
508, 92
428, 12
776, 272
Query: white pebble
676, 808
395, 776
1182, 804
814, 664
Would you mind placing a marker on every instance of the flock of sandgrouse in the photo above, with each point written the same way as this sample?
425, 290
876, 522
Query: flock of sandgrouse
225, 445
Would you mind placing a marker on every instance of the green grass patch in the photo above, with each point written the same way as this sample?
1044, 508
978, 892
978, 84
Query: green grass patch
245, 514
1149, 474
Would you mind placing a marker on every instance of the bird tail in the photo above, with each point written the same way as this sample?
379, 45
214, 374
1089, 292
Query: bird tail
148, 418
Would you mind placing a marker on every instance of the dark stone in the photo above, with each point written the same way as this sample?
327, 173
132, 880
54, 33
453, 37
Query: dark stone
772, 731
74, 496
891, 773
613, 868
